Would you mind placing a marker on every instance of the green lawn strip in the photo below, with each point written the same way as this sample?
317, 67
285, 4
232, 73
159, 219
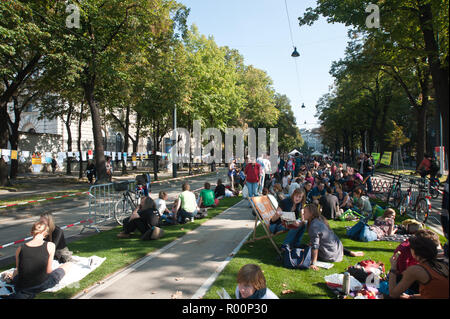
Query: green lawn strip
120, 253
27, 198
305, 284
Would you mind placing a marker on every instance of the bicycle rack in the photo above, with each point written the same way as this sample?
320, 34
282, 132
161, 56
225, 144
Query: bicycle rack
102, 199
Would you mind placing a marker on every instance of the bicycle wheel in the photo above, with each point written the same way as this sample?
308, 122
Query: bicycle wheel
422, 211
404, 203
122, 209
434, 192
397, 197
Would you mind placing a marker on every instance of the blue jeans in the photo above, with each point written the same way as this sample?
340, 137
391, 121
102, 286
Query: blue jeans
275, 228
362, 232
182, 215
368, 182
294, 236
252, 189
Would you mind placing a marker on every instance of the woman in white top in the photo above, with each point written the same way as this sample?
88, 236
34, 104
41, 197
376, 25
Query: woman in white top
252, 284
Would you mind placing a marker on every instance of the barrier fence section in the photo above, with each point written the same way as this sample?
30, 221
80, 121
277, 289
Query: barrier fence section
102, 200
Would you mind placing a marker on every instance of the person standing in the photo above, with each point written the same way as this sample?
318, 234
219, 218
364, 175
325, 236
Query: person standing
252, 173
365, 169
54, 164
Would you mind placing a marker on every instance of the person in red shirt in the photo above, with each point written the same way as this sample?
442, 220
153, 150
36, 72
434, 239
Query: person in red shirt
425, 165
252, 170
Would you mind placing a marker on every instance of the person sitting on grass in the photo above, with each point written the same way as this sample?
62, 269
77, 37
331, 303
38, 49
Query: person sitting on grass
383, 226
187, 205
278, 192
206, 199
34, 273
325, 245
363, 205
317, 192
290, 204
329, 204
343, 197
166, 216
56, 236
430, 272
252, 284
219, 191
145, 218
406, 260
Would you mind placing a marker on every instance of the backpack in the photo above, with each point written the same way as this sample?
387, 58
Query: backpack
296, 258
434, 167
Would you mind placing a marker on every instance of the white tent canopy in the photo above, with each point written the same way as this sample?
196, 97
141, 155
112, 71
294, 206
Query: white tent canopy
316, 153
294, 152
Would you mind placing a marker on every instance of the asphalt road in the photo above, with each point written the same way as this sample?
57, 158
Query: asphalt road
16, 226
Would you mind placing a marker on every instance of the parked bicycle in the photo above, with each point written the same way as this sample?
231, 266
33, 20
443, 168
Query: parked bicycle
126, 204
418, 203
396, 191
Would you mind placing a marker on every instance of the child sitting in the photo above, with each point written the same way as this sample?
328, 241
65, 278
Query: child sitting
169, 217
252, 284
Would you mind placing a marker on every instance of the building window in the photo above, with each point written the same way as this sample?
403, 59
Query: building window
119, 142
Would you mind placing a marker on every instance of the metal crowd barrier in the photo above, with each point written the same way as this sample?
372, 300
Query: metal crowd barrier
102, 200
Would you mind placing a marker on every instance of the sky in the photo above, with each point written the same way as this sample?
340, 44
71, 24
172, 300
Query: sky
259, 30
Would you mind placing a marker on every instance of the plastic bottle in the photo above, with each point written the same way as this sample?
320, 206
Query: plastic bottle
346, 284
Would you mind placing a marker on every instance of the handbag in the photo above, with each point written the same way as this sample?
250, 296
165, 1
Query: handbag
296, 258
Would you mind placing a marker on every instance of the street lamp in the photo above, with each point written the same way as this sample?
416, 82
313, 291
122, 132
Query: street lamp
174, 165
295, 54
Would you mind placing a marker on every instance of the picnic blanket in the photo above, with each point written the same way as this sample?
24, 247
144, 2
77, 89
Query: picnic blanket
396, 237
81, 267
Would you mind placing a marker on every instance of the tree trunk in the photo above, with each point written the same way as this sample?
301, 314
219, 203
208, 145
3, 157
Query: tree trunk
14, 137
137, 136
421, 133
69, 139
97, 131
382, 129
439, 73
80, 121
126, 141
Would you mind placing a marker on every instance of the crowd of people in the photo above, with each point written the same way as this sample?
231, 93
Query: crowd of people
316, 190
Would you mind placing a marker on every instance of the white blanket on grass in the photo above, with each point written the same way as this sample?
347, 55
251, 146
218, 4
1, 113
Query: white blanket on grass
81, 267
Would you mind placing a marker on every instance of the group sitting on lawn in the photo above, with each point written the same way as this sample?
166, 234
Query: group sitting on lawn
325, 193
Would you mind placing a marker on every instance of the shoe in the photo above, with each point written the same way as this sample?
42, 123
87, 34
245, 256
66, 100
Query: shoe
123, 235
187, 220
147, 234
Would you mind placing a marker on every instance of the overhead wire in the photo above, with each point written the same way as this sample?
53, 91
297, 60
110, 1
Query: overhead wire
293, 45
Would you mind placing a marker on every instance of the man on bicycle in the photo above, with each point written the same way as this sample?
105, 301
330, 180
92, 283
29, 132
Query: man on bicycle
425, 166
